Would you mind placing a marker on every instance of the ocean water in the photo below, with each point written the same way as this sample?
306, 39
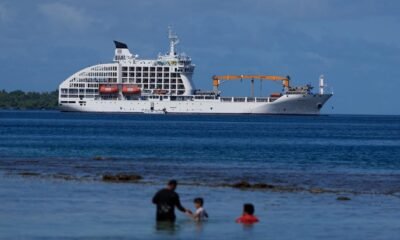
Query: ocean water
52, 163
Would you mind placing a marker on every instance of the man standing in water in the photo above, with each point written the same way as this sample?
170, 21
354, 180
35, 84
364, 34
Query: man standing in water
166, 200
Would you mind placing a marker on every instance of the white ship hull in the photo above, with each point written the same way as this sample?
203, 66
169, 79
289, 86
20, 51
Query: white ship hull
164, 85
286, 104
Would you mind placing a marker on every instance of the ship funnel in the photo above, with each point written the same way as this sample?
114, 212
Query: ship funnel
120, 45
321, 84
122, 52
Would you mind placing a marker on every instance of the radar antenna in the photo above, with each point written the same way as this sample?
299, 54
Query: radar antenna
173, 40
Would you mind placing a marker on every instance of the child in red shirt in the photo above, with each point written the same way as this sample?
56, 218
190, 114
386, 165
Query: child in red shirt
247, 217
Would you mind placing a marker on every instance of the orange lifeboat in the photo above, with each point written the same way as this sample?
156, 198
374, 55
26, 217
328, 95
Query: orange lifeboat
130, 89
108, 89
276, 95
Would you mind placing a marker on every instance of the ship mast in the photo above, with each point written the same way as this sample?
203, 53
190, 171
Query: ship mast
321, 85
173, 40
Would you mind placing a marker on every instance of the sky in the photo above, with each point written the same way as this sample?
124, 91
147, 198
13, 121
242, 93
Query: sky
354, 44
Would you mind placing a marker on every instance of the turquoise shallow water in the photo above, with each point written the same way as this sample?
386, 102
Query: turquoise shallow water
355, 156
43, 209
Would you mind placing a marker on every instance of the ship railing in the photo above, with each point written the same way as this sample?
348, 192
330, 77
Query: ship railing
226, 99
205, 97
201, 97
239, 99
261, 99
297, 92
105, 97
209, 97
245, 99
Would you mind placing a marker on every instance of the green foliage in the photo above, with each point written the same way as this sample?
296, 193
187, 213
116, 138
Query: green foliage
28, 100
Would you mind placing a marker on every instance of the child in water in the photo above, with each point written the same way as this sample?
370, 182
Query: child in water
200, 214
247, 217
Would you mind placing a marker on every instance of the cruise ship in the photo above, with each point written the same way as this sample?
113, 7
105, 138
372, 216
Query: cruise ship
164, 85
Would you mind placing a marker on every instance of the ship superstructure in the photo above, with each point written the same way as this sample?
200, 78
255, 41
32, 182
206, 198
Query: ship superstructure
164, 85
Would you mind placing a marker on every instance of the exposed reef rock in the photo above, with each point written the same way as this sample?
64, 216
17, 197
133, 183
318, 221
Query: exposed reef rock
241, 184
262, 186
121, 177
343, 198
247, 185
29, 174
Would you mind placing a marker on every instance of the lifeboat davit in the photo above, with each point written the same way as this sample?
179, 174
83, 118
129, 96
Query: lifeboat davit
130, 90
108, 89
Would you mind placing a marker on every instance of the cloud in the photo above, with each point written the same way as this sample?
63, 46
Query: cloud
66, 16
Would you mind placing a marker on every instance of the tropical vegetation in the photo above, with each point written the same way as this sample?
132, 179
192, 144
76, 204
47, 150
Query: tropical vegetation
28, 100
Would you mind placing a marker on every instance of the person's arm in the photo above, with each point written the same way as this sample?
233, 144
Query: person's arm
191, 214
179, 205
155, 198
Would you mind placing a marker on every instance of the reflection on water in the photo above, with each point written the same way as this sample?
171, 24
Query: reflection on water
199, 227
248, 227
166, 227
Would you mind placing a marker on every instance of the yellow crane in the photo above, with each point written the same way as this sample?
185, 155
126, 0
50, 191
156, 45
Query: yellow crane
217, 80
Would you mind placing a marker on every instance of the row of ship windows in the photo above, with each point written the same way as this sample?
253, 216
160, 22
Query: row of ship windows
101, 74
161, 86
152, 80
151, 69
124, 80
138, 74
78, 85
130, 80
106, 80
141, 86
109, 96
80, 95
111, 68
114, 97
95, 80
159, 69
133, 74
82, 85
92, 79
74, 90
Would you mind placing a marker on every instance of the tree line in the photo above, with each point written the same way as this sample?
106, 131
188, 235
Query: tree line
28, 100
